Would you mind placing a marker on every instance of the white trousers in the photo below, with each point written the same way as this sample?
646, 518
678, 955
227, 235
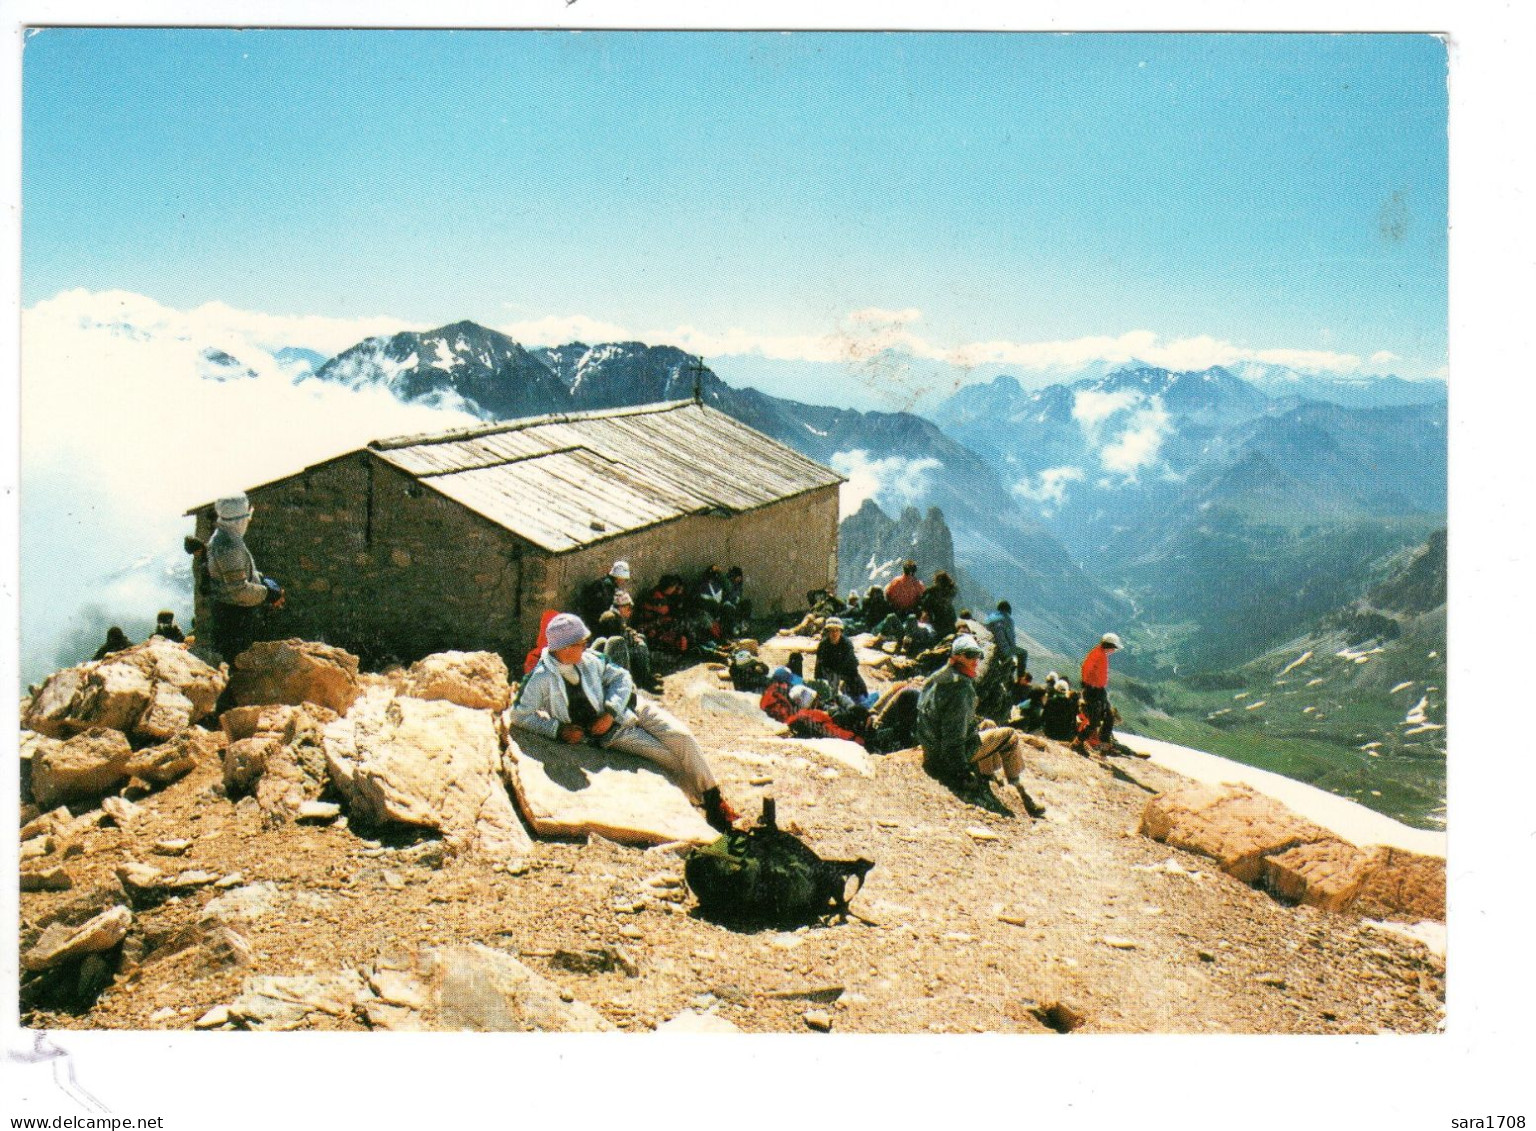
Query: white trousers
659, 736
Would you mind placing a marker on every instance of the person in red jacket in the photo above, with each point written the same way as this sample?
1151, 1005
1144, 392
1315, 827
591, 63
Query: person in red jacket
1100, 728
906, 591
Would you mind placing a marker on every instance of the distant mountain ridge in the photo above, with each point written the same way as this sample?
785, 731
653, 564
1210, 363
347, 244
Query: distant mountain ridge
906, 457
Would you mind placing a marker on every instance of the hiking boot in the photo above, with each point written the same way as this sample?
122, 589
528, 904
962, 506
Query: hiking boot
720, 814
1031, 806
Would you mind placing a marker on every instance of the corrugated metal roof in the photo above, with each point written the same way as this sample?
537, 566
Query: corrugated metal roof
562, 482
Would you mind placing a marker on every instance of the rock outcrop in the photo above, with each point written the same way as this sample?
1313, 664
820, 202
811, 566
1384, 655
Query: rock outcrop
150, 692
470, 679
581, 790
278, 753
294, 672
1233, 825
86, 766
431, 764
1258, 840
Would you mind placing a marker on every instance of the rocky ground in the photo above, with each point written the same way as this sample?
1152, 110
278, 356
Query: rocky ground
972, 920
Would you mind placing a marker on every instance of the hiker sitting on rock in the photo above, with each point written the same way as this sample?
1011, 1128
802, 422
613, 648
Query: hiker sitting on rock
597, 597
737, 608
939, 600
1028, 702
579, 696
623, 645
919, 636
837, 663
117, 640
238, 590
874, 610
904, 594
166, 626
661, 615
955, 751
1058, 717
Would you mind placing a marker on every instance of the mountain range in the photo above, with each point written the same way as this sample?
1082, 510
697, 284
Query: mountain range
1212, 514
1228, 518
901, 458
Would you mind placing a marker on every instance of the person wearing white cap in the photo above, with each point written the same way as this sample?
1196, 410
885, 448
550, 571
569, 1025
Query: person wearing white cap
624, 645
1101, 720
837, 663
236, 586
578, 695
597, 597
954, 750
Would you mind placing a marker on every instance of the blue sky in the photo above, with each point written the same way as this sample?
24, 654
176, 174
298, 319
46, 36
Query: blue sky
753, 193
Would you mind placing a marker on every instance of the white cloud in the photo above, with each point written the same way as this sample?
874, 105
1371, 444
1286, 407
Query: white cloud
879, 316
893, 482
560, 329
1049, 487
1091, 408
213, 323
1384, 357
120, 434
1137, 446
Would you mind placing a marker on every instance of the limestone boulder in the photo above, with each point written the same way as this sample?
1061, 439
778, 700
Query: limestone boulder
59, 943
1325, 873
838, 752
294, 672
176, 757
470, 679
1232, 824
277, 753
1403, 885
581, 790
83, 768
283, 1003
429, 763
151, 691
482, 990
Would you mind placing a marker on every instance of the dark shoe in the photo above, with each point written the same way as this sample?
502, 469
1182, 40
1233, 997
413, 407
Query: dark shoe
1031, 806
722, 817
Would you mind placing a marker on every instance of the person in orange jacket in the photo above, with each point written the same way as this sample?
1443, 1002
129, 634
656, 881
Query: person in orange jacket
1100, 728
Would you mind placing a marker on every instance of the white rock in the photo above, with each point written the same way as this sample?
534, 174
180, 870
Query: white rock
470, 679
691, 1021
613, 795
432, 764
60, 943
218, 1015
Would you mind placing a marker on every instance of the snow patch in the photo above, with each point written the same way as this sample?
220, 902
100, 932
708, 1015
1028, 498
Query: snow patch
1297, 662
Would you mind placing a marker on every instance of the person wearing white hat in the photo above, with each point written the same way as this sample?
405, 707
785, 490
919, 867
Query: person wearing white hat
624, 645
837, 663
1100, 729
954, 750
597, 597
577, 695
236, 586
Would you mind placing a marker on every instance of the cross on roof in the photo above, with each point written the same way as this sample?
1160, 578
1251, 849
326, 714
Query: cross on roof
696, 367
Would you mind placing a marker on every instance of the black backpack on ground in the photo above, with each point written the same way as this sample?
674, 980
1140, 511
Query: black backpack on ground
767, 877
748, 673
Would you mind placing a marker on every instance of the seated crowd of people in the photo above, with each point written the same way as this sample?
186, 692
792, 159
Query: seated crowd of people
969, 718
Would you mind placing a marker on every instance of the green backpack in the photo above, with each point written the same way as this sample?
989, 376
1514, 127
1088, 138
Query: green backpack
768, 877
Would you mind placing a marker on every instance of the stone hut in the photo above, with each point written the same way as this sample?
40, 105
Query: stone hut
462, 539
